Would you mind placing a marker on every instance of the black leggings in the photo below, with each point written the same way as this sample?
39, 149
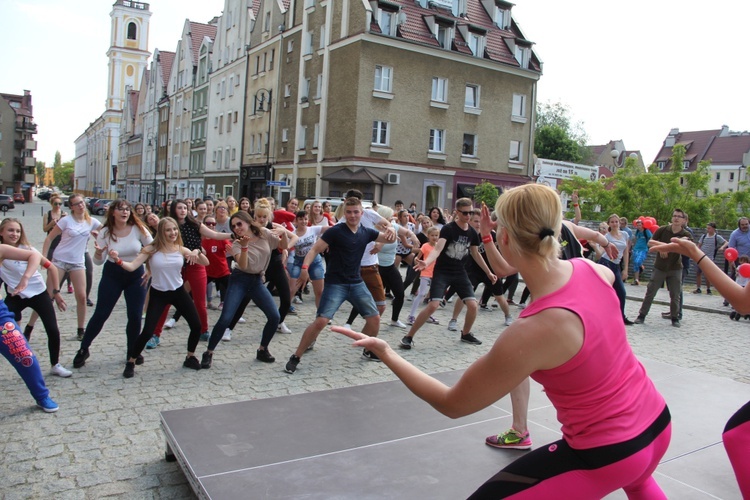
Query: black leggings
44, 307
221, 286
276, 277
157, 302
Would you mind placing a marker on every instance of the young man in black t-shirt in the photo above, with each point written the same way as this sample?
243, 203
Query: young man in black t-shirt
458, 240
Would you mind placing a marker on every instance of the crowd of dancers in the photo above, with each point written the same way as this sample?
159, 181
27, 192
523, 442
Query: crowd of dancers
615, 424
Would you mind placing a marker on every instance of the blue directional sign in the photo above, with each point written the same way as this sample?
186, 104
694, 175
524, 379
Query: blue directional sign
276, 183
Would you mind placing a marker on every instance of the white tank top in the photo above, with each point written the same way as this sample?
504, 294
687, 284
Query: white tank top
166, 271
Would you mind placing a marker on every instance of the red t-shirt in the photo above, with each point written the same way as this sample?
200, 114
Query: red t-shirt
216, 251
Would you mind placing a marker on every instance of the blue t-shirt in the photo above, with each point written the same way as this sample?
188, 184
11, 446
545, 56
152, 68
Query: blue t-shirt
346, 249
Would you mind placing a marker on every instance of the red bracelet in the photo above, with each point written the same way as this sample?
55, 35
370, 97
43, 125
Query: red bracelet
47, 265
305, 266
487, 239
243, 249
575, 204
118, 262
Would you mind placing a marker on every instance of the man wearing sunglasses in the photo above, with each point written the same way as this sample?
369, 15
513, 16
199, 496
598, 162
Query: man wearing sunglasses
457, 241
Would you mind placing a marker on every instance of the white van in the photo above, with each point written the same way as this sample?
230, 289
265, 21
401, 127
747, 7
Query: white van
335, 202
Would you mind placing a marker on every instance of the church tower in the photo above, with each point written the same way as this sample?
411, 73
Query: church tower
128, 52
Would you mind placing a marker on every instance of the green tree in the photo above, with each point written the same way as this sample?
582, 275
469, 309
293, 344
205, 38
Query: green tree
486, 193
40, 168
58, 160
554, 126
64, 175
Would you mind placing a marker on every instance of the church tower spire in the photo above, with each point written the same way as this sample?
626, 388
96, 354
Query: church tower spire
128, 52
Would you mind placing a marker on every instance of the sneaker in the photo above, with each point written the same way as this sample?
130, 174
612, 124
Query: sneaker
406, 342
521, 305
292, 311
61, 371
153, 342
242, 320
192, 363
348, 326
205, 336
227, 335
27, 331
47, 405
284, 329
666, 315
485, 307
369, 355
211, 307
508, 320
676, 323
397, 324
470, 339
511, 303
627, 322
291, 365
432, 320
306, 290
80, 358
139, 360
708, 291
296, 300
737, 316
264, 355
79, 334
389, 295
89, 303
495, 305
639, 320
442, 303
733, 315
510, 439
410, 297
697, 290
410, 320
70, 288
129, 370
450, 301
453, 325
169, 324
206, 360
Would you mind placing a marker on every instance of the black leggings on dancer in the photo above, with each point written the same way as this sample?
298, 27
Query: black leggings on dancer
44, 307
157, 302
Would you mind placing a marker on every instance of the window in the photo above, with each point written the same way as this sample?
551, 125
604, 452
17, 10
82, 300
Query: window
502, 18
522, 56
234, 154
301, 137
322, 42
316, 135
661, 164
259, 144
515, 151
221, 123
685, 164
444, 36
716, 190
439, 89
251, 149
290, 46
470, 145
267, 22
519, 105
319, 87
270, 60
472, 96
380, 134
132, 31
718, 176
437, 140
308, 43
229, 122
305, 90
731, 176
236, 115
387, 22
219, 158
223, 88
476, 44
284, 134
383, 78
226, 159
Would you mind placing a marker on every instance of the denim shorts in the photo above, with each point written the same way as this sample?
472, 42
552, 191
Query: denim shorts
67, 266
459, 282
358, 296
315, 271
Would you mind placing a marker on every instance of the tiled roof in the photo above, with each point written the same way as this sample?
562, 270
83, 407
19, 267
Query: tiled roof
198, 31
729, 149
256, 8
165, 60
699, 142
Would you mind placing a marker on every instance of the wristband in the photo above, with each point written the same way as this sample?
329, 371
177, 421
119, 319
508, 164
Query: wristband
605, 246
118, 262
47, 265
243, 249
487, 239
55, 291
575, 204
305, 266
699, 260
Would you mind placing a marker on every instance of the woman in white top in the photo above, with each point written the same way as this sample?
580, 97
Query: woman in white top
38, 295
70, 253
621, 242
166, 256
124, 232
306, 238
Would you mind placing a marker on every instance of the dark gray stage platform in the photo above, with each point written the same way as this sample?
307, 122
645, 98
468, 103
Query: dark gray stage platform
379, 441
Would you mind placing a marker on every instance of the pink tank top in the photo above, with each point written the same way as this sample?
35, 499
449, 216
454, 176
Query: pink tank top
602, 394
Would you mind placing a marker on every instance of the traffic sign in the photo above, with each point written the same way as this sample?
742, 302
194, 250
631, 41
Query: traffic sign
276, 183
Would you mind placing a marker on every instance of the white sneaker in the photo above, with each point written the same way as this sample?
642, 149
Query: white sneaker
508, 320
227, 335
283, 328
169, 324
453, 325
347, 326
61, 371
397, 324
410, 297
242, 320
296, 300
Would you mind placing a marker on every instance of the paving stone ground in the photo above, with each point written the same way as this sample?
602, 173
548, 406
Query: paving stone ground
106, 440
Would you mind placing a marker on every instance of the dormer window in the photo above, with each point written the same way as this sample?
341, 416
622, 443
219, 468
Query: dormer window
685, 164
387, 22
502, 18
476, 44
523, 54
444, 36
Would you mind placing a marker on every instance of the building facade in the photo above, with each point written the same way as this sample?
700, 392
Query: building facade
17, 144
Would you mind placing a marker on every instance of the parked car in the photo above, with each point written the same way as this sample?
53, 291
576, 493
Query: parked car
6, 202
19, 197
90, 203
98, 206
44, 194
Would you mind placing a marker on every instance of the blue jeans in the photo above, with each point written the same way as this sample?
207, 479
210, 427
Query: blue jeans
114, 282
358, 296
618, 285
242, 284
16, 350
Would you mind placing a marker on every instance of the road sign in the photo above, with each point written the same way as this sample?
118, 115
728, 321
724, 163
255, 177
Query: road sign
276, 183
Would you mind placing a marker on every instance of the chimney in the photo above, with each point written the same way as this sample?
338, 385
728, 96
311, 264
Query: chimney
724, 131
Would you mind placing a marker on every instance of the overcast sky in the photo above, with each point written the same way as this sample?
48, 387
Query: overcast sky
627, 70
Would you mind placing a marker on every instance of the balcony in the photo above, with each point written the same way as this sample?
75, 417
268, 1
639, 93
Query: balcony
23, 144
26, 125
25, 162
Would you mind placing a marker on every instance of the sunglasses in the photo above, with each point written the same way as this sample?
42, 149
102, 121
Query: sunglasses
239, 224
467, 213
210, 223
57, 204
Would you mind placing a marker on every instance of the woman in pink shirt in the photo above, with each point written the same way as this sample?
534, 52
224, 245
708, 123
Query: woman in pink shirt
615, 424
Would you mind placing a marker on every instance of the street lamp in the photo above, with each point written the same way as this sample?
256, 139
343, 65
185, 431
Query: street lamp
263, 105
616, 155
155, 138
